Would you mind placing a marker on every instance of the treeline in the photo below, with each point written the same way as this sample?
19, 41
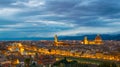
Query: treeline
65, 63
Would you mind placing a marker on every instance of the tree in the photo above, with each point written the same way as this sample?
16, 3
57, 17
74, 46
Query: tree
108, 64
27, 62
33, 65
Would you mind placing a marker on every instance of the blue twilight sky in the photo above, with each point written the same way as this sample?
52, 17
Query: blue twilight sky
44, 18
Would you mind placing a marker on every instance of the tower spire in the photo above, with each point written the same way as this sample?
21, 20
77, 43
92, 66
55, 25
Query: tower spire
85, 40
56, 38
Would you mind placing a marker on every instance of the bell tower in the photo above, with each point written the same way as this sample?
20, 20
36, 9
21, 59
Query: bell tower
85, 40
56, 40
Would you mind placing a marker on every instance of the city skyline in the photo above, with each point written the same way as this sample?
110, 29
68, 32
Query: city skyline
45, 18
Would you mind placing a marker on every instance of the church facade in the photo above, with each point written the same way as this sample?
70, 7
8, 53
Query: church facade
97, 41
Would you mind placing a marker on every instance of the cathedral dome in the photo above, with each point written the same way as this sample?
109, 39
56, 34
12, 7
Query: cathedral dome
98, 38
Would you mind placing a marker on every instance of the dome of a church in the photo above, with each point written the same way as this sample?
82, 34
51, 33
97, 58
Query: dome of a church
97, 41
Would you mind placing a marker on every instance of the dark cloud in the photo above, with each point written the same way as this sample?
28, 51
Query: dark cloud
52, 16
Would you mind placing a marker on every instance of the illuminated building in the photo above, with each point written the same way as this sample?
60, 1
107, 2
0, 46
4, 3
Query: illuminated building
16, 47
97, 41
85, 40
56, 42
15, 61
56, 38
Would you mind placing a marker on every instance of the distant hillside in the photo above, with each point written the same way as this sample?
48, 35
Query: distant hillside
90, 37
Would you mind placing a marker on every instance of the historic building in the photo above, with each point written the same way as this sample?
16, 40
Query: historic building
18, 48
56, 42
97, 41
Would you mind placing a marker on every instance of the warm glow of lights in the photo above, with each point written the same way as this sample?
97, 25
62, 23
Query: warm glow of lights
97, 41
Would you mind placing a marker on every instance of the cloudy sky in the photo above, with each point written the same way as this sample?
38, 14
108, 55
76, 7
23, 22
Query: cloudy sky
44, 18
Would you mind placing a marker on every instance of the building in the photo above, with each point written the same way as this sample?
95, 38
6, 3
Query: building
97, 41
15, 61
19, 48
56, 42
16, 47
